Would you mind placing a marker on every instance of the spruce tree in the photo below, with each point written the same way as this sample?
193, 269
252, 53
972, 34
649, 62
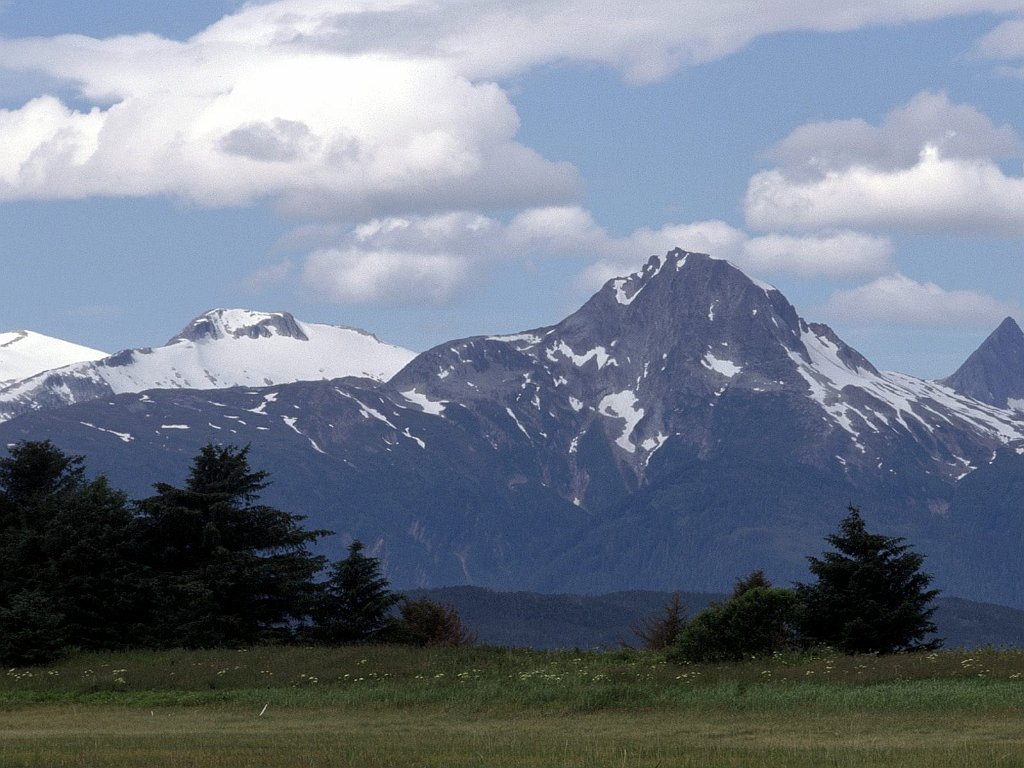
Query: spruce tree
70, 572
227, 570
356, 600
871, 595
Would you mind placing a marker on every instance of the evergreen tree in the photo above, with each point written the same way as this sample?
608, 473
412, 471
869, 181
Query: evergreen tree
70, 573
870, 597
661, 631
356, 600
227, 570
753, 581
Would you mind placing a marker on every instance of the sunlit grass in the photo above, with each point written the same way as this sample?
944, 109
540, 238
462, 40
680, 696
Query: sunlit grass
386, 706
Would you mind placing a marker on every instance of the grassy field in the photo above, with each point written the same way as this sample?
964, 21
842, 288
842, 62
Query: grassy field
380, 706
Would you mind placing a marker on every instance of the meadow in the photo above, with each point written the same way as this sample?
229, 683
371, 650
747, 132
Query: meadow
377, 706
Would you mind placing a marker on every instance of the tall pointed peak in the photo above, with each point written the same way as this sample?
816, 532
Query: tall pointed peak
1008, 330
994, 372
693, 274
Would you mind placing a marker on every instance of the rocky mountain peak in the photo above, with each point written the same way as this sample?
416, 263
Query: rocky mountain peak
240, 323
994, 373
682, 305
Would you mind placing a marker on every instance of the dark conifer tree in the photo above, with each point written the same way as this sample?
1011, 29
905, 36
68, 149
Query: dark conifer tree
70, 574
227, 570
356, 602
870, 597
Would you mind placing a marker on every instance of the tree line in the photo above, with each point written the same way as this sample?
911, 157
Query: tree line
207, 565
198, 566
870, 596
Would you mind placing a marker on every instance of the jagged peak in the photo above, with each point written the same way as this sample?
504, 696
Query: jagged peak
238, 323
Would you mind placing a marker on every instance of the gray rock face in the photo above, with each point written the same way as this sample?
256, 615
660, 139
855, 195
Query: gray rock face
215, 324
994, 373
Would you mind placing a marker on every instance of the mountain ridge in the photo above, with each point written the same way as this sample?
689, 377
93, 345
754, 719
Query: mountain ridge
25, 353
220, 348
682, 427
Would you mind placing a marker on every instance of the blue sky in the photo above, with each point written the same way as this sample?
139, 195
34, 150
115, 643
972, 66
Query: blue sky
430, 170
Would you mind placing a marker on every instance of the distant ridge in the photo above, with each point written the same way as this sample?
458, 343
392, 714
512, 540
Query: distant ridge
220, 348
534, 620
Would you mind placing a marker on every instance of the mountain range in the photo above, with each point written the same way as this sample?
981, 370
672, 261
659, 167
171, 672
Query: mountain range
682, 428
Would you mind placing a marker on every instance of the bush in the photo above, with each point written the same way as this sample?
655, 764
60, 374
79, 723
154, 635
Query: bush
662, 630
424, 622
759, 622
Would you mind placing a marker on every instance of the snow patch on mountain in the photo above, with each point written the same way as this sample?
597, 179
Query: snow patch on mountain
626, 406
598, 354
719, 365
433, 407
912, 403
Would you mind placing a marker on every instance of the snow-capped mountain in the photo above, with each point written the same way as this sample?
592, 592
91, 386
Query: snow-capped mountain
648, 359
221, 348
994, 373
683, 427
26, 353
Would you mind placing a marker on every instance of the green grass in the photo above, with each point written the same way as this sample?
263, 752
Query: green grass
384, 706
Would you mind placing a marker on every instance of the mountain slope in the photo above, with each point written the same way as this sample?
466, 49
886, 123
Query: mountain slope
26, 353
221, 348
684, 427
994, 373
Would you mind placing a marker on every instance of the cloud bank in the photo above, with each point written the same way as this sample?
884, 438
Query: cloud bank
897, 299
434, 257
362, 108
931, 166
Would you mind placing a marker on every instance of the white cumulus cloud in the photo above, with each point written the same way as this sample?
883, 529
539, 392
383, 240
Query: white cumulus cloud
931, 166
220, 121
360, 276
835, 254
644, 40
360, 108
896, 299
